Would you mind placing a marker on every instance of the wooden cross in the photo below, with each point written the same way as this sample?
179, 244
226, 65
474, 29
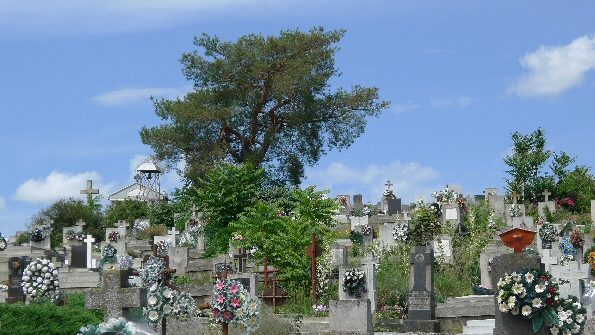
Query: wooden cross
514, 197
114, 299
173, 232
89, 240
80, 223
546, 194
90, 190
241, 256
388, 184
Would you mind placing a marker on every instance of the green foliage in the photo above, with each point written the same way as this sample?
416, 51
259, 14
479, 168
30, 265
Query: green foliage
424, 227
261, 100
580, 183
129, 210
528, 157
22, 238
19, 319
392, 277
284, 239
223, 196
65, 213
356, 237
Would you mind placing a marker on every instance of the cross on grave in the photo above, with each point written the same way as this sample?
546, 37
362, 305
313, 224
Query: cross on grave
241, 256
48, 222
123, 224
514, 196
272, 296
89, 240
90, 190
313, 251
194, 209
80, 223
573, 273
546, 194
173, 232
116, 297
388, 184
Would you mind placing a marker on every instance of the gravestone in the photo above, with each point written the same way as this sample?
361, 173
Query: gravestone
89, 241
525, 222
393, 206
457, 189
370, 263
506, 323
357, 201
551, 206
120, 245
370, 294
421, 198
116, 297
358, 221
179, 258
491, 251
491, 192
592, 210
123, 225
345, 202
350, 317
339, 255
386, 234
77, 229
548, 260
422, 299
46, 243
248, 281
79, 256
443, 249
450, 213
366, 238
509, 217
497, 204
574, 272
173, 234
16, 265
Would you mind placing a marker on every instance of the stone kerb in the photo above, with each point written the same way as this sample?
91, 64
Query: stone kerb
506, 323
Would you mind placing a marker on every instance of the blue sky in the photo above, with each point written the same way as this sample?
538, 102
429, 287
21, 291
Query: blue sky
75, 81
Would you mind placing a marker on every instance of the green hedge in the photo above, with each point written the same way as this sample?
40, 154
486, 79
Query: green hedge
48, 319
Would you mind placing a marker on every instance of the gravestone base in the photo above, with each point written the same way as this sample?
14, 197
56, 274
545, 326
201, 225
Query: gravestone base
351, 315
424, 326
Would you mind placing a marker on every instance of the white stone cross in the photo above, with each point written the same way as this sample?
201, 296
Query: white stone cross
122, 224
80, 223
89, 240
546, 194
574, 273
514, 196
194, 209
173, 233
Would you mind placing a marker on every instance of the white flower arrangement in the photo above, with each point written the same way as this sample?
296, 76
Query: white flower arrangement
231, 303
419, 203
139, 227
572, 316
515, 210
40, 280
354, 282
151, 271
401, 232
163, 247
163, 301
448, 195
119, 325
3, 243
3, 287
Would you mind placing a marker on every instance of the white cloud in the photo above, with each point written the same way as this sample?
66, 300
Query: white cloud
553, 70
2, 203
439, 103
58, 185
465, 101
406, 107
82, 17
139, 95
409, 179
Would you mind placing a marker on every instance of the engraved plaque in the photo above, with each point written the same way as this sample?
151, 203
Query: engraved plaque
419, 300
452, 214
442, 248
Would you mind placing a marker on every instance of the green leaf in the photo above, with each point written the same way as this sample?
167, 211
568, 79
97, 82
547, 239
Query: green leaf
551, 316
537, 322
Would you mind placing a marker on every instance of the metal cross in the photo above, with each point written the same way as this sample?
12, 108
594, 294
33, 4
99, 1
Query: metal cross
388, 184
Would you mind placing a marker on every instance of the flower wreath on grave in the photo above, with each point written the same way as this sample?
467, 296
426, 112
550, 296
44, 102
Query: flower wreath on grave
70, 234
401, 232
354, 282
40, 280
113, 236
81, 236
3, 243
162, 302
38, 235
139, 227
448, 195
566, 259
548, 232
388, 194
356, 237
162, 247
589, 258
566, 246
151, 271
577, 238
125, 262
188, 240
108, 256
530, 294
343, 201
436, 208
366, 229
572, 317
515, 211
231, 303
119, 325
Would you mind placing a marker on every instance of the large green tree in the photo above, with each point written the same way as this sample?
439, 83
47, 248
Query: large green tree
261, 100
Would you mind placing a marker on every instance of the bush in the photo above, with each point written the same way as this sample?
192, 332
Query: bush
48, 319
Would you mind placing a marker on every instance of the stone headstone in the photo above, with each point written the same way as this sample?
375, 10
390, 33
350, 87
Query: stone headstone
370, 284
339, 255
443, 249
46, 243
79, 256
497, 204
489, 253
422, 299
393, 206
120, 245
385, 237
116, 297
574, 272
16, 265
77, 229
173, 232
345, 202
509, 217
592, 210
456, 188
450, 213
358, 221
358, 201
506, 323
351, 317
491, 191
248, 280
551, 206
525, 222
179, 258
